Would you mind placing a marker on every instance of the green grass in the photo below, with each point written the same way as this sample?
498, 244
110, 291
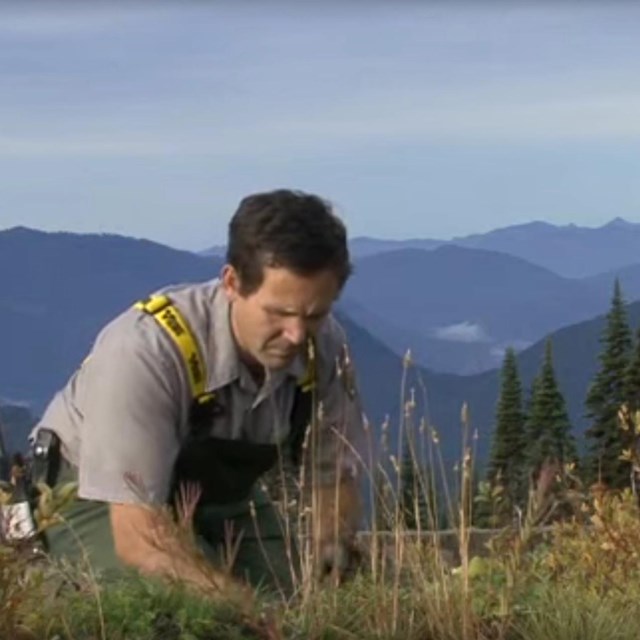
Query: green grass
580, 579
576, 585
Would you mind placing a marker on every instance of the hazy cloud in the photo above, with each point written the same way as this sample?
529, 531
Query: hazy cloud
462, 332
47, 19
160, 80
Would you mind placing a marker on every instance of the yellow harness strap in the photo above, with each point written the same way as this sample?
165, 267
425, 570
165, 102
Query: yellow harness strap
167, 315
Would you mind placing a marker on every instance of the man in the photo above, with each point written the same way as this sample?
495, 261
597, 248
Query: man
132, 430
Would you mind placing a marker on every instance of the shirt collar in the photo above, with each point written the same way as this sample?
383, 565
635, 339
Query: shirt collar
224, 363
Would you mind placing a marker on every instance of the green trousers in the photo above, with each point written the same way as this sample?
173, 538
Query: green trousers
264, 555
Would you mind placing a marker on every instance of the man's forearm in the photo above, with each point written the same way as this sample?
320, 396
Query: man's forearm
167, 557
336, 516
146, 540
338, 509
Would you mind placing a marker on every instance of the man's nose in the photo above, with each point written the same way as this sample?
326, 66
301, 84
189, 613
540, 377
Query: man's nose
295, 330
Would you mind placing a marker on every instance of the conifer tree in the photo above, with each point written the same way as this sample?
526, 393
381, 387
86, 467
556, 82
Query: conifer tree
548, 427
415, 492
607, 393
507, 458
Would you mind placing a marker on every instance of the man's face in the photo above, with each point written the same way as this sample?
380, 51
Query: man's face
272, 323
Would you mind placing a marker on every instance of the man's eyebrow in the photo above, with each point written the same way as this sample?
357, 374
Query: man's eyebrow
292, 312
277, 309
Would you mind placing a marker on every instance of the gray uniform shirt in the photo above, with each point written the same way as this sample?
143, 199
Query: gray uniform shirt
124, 412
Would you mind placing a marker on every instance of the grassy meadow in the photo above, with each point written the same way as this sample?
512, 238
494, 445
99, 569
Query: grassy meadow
567, 568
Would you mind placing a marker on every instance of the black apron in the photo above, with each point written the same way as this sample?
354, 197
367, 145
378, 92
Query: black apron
225, 470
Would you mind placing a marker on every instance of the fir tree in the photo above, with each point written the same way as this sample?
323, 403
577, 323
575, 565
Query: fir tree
548, 427
607, 393
507, 458
414, 497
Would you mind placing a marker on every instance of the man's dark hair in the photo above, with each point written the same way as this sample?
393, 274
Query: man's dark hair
290, 229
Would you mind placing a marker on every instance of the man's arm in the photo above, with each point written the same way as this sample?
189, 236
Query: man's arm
147, 540
337, 512
132, 399
336, 458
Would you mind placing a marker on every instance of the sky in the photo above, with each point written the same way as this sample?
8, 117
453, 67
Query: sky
415, 119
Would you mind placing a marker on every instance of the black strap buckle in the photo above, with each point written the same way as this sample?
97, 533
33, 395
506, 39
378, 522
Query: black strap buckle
46, 457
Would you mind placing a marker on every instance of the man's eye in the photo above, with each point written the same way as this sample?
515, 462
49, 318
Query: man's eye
283, 313
280, 313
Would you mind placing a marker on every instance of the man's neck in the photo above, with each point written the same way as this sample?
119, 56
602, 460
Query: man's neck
257, 370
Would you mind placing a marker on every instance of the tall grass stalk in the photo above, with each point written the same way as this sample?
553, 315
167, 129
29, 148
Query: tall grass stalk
466, 500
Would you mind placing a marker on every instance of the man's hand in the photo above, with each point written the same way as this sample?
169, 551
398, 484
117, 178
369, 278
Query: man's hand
146, 539
339, 560
336, 518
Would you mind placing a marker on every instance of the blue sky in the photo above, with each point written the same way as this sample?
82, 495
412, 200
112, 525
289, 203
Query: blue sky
415, 119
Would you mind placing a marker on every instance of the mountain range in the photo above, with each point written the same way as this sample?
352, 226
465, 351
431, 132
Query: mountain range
568, 250
59, 289
459, 308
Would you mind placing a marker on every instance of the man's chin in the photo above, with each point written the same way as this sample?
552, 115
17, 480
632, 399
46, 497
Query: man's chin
275, 360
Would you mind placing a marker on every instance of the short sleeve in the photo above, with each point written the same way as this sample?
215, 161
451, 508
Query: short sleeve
130, 422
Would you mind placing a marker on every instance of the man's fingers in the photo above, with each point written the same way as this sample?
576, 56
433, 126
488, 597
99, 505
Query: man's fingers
338, 560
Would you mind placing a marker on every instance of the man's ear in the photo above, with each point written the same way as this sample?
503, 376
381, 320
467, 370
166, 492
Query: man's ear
230, 282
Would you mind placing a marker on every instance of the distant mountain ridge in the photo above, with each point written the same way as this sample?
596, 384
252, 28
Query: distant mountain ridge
459, 308
218, 250
628, 276
59, 289
570, 250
